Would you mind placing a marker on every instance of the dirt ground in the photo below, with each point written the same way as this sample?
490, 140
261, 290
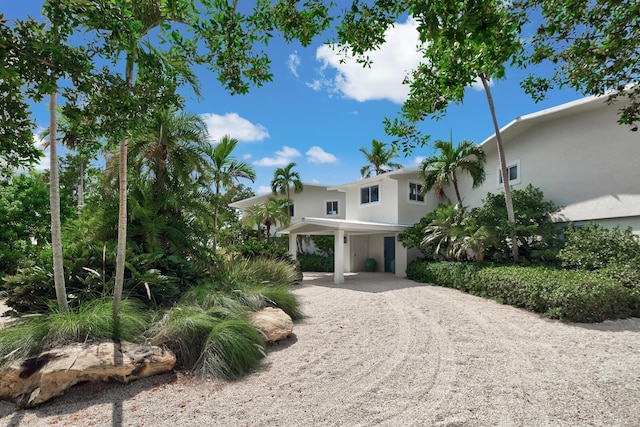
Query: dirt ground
385, 351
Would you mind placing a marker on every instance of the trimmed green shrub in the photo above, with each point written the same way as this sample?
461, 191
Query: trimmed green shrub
316, 263
592, 247
569, 295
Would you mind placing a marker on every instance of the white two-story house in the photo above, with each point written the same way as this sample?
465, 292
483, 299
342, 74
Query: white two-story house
365, 217
575, 153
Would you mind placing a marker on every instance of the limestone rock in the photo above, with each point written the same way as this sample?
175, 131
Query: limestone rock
273, 323
35, 380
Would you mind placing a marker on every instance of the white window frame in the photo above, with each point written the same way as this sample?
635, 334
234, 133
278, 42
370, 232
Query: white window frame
518, 179
326, 212
369, 203
419, 186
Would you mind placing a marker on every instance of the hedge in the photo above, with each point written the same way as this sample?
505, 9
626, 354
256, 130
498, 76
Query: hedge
569, 295
316, 263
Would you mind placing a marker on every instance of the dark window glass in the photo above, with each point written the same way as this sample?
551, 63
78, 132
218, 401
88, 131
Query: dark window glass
364, 195
374, 194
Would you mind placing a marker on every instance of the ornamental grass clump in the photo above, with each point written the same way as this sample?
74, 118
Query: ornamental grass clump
259, 297
260, 271
93, 322
232, 349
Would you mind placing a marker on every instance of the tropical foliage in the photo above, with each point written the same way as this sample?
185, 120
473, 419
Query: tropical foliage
455, 232
441, 170
163, 246
283, 180
379, 159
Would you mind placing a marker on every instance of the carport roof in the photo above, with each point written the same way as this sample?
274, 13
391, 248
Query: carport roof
310, 225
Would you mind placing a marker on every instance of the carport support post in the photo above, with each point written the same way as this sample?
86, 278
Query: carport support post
338, 257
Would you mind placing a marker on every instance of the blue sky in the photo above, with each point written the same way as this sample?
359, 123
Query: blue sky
318, 112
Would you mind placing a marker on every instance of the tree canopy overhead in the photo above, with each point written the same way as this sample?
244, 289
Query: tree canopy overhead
594, 48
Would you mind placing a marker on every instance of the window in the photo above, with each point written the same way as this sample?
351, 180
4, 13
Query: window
513, 171
369, 194
332, 207
290, 209
414, 192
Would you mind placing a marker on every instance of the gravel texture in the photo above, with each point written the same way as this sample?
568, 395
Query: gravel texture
385, 351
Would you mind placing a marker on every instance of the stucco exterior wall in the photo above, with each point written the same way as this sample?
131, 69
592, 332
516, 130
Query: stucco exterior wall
311, 202
410, 211
585, 162
386, 210
376, 250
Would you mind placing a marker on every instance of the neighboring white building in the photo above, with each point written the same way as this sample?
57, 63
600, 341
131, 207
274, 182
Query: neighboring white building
575, 153
578, 155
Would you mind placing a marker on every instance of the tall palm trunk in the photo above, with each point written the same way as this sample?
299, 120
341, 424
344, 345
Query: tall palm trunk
54, 201
122, 212
215, 216
454, 181
288, 202
503, 167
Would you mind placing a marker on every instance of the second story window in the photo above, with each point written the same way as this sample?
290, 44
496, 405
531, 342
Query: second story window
332, 208
513, 172
290, 209
414, 192
369, 194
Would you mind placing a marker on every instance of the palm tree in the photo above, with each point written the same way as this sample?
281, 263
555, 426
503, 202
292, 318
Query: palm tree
269, 213
129, 40
379, 159
283, 180
54, 200
511, 215
226, 171
174, 148
72, 139
441, 169
454, 232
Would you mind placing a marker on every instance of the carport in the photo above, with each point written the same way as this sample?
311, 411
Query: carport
353, 240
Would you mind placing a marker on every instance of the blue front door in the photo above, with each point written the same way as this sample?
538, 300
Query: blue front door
389, 253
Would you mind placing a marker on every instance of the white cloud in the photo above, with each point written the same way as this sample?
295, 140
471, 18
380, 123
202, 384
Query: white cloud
247, 156
282, 158
418, 160
293, 63
45, 162
316, 85
477, 84
318, 155
263, 189
232, 124
315, 181
383, 80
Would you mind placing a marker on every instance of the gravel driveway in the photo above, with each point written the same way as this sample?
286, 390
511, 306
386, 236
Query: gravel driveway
385, 351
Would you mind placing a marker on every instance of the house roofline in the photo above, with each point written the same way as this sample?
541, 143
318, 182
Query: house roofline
521, 123
254, 199
391, 174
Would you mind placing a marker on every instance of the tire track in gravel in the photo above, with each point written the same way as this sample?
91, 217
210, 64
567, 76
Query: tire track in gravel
358, 361
391, 352
486, 349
